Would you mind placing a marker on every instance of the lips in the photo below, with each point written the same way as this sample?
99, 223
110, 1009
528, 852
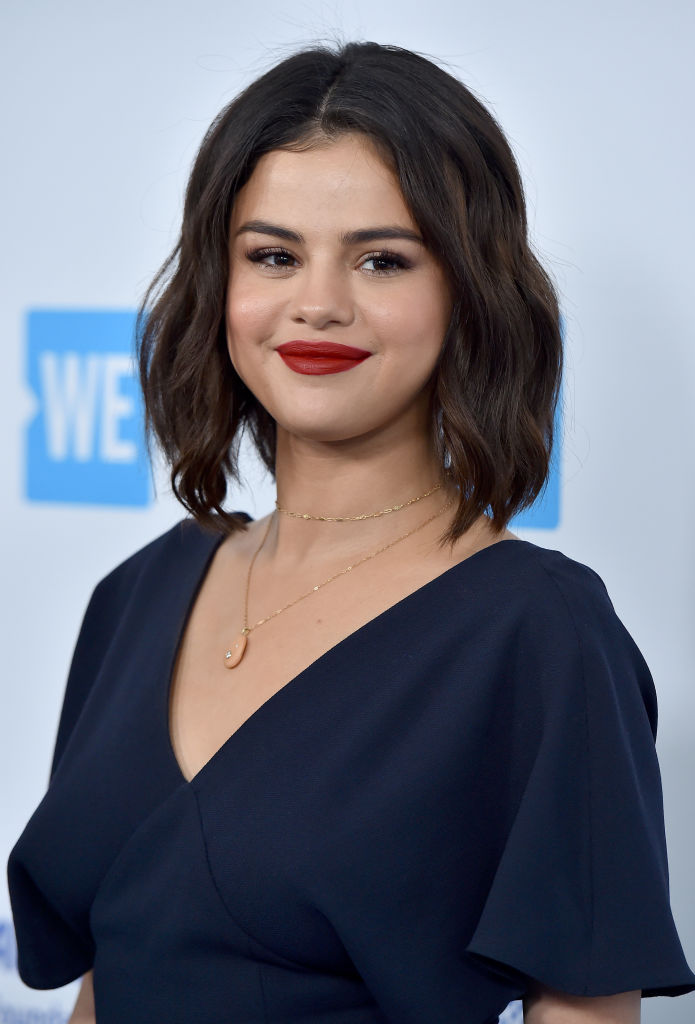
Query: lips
320, 357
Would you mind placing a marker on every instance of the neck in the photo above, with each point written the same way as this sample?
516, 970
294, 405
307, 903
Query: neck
345, 480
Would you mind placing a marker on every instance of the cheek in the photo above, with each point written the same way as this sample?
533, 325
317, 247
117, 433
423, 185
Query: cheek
415, 324
249, 319
247, 314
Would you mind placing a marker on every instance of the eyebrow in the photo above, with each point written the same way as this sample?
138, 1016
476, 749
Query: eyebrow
262, 227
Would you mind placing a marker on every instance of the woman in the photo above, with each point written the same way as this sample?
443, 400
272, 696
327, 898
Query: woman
409, 773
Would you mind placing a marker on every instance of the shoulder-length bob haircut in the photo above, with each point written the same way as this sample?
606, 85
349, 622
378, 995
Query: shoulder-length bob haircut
495, 388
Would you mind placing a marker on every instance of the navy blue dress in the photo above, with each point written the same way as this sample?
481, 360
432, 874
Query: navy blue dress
459, 797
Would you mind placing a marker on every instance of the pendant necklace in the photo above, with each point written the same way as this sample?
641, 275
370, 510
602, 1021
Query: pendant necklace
235, 652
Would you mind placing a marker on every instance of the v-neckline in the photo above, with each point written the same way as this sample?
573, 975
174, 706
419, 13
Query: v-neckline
309, 669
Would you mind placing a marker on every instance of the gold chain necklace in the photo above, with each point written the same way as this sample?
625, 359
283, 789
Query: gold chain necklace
235, 652
355, 519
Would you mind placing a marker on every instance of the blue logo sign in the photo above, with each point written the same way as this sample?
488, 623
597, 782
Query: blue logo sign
544, 514
86, 441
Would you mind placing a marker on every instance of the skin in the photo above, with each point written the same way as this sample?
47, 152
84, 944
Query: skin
83, 1013
347, 443
395, 305
548, 1007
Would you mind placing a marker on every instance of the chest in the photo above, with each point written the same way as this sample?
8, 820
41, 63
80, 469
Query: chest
209, 702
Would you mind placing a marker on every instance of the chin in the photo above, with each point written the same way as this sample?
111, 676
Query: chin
320, 432
323, 421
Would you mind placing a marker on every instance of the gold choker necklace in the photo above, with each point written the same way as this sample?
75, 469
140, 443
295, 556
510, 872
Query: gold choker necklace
354, 519
235, 652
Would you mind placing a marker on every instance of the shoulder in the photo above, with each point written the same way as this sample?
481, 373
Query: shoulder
543, 582
516, 584
552, 580
568, 636
184, 540
171, 562
159, 566
184, 547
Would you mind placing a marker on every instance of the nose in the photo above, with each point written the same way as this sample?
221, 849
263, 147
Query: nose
321, 297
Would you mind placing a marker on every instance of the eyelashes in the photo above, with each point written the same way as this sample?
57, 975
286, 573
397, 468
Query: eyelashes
265, 255
396, 262
384, 263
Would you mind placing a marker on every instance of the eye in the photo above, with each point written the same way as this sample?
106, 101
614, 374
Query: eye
383, 263
273, 259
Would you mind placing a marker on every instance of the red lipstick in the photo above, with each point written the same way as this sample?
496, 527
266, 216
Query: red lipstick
317, 357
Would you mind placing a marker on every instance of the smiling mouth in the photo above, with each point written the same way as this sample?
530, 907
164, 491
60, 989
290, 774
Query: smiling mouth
315, 358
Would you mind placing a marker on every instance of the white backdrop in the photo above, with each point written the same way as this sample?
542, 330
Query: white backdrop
104, 106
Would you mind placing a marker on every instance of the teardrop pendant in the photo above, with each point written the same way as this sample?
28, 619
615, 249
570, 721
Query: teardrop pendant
235, 653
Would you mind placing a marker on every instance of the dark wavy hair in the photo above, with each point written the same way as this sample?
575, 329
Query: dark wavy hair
496, 384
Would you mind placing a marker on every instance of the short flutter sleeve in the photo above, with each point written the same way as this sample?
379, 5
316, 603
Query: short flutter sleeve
89, 651
579, 899
52, 951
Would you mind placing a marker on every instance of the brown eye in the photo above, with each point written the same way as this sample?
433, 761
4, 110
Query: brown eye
384, 263
274, 259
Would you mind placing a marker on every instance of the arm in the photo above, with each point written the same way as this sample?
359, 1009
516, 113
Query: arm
84, 1007
544, 1006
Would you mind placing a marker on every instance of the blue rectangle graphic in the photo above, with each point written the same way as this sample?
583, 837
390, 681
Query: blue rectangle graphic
544, 514
86, 441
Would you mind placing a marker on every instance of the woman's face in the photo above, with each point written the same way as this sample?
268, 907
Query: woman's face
324, 252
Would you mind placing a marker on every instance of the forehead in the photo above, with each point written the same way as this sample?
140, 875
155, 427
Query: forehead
328, 183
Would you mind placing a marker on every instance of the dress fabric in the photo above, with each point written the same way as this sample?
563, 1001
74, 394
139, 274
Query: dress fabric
460, 796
